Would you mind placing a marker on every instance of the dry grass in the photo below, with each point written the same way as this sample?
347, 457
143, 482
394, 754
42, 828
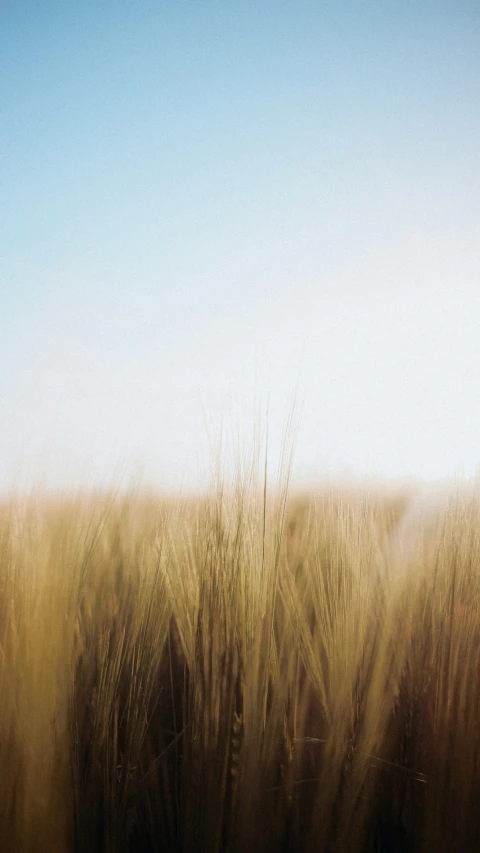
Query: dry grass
241, 673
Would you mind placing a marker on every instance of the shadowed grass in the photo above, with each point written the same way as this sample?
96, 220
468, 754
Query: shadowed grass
245, 672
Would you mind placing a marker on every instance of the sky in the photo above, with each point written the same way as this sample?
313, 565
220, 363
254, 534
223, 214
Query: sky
210, 209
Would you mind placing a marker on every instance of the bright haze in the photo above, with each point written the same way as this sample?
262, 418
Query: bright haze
207, 206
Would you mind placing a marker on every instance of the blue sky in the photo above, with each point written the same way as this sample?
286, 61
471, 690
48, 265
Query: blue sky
205, 203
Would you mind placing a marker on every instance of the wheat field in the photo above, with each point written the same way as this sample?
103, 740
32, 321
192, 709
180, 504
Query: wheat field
248, 671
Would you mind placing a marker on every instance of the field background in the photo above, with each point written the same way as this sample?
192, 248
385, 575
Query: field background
207, 207
247, 671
